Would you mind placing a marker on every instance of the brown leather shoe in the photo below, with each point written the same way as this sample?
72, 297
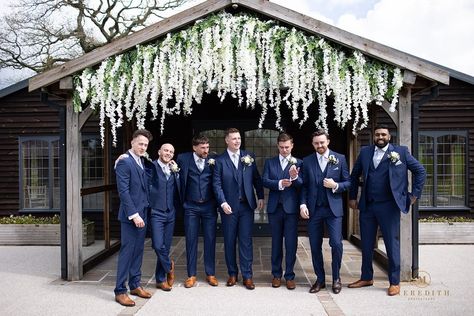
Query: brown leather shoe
232, 280
393, 290
248, 283
170, 275
360, 283
124, 300
164, 286
290, 284
212, 280
276, 282
336, 286
190, 282
139, 291
316, 287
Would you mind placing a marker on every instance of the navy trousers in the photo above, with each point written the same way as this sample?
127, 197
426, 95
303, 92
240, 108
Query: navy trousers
197, 216
324, 215
162, 227
285, 226
386, 215
238, 225
130, 257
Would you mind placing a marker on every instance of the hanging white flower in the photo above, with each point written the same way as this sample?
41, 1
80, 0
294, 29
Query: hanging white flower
254, 61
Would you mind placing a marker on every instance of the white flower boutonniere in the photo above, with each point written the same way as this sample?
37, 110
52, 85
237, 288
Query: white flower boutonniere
333, 160
211, 162
174, 168
292, 161
146, 156
247, 160
394, 156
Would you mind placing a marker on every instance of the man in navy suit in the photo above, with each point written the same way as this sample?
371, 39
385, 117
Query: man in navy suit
235, 178
384, 194
132, 187
200, 208
325, 177
164, 199
280, 175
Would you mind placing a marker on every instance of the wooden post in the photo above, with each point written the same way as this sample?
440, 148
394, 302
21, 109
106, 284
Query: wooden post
73, 193
404, 136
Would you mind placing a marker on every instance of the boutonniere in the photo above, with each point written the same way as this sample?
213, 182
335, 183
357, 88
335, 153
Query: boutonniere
394, 156
211, 162
292, 161
247, 160
333, 160
174, 168
146, 156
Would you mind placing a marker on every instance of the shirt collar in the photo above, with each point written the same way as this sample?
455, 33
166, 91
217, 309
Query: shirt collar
231, 153
281, 157
196, 157
136, 157
162, 165
325, 155
384, 149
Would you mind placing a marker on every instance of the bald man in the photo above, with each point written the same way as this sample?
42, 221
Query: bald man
164, 198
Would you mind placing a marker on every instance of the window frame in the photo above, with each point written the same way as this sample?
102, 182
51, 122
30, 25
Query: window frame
435, 134
50, 203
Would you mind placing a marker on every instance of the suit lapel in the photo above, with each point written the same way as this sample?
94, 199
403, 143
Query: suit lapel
140, 171
368, 160
283, 172
315, 167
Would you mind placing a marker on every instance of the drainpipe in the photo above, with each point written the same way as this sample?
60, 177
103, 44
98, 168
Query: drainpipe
62, 178
415, 212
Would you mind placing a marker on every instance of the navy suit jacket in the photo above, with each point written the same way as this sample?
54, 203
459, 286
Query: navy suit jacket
132, 187
225, 181
313, 177
398, 176
272, 174
186, 161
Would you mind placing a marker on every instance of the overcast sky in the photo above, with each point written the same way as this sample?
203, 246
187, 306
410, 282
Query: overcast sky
440, 31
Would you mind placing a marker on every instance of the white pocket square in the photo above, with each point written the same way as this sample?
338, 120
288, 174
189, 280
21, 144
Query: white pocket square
337, 168
398, 163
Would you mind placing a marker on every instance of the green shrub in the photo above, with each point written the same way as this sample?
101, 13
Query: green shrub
444, 219
29, 219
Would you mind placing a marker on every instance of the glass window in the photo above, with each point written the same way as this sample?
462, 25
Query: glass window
92, 172
443, 155
39, 172
39, 181
217, 143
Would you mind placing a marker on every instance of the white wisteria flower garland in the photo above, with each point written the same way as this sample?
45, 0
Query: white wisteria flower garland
259, 62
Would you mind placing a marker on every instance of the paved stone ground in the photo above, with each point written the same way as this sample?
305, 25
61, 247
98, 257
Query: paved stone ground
104, 274
30, 285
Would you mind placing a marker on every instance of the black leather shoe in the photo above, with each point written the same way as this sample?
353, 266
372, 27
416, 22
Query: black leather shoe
316, 287
336, 286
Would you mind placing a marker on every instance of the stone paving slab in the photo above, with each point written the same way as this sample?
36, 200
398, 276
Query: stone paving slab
31, 286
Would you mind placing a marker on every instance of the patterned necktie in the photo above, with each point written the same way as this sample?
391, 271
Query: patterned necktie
378, 157
200, 164
322, 163
166, 172
235, 160
284, 163
139, 162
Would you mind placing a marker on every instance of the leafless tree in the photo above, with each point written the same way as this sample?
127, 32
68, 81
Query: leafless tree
40, 34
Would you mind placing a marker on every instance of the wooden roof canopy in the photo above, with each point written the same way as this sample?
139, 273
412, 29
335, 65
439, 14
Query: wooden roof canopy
416, 66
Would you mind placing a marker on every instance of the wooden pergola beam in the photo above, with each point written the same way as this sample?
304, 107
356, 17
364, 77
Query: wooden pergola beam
272, 10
